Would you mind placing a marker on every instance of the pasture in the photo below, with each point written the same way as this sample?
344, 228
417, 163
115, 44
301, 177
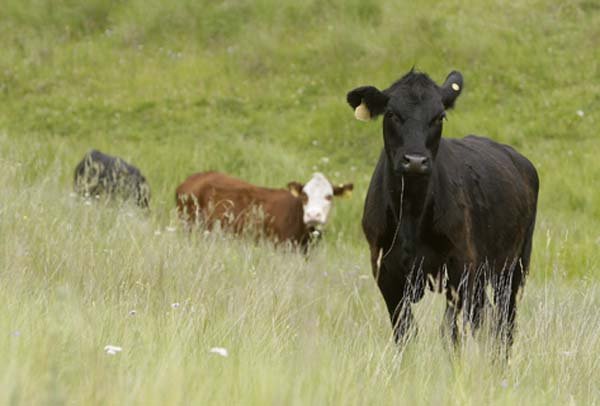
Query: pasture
257, 90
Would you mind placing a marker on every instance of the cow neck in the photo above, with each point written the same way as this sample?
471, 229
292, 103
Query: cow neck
410, 198
415, 196
407, 201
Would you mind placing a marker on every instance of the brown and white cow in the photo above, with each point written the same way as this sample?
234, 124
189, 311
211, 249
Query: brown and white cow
293, 214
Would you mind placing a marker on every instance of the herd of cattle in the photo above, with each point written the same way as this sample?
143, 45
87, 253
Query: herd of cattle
294, 214
454, 215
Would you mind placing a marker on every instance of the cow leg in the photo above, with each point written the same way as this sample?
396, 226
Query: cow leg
394, 289
454, 302
397, 300
505, 295
475, 297
449, 327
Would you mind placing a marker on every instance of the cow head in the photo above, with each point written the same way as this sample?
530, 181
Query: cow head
414, 109
317, 195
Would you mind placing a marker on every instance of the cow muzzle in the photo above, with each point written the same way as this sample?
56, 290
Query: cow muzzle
413, 164
314, 218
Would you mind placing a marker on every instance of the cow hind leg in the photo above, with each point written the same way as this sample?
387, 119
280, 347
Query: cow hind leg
505, 296
506, 289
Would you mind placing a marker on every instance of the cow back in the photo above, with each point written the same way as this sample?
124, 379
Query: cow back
211, 197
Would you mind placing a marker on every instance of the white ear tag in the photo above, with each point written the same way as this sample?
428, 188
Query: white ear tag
455, 87
362, 113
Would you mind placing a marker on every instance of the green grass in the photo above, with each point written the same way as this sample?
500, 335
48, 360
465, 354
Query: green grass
257, 89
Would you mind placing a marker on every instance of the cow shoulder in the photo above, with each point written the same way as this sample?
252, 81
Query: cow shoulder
375, 220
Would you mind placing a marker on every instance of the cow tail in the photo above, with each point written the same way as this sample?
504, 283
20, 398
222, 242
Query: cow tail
527, 246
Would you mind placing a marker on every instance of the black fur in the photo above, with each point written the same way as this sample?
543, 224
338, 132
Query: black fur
468, 219
101, 174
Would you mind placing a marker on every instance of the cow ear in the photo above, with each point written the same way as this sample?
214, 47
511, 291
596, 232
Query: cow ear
367, 101
295, 188
451, 89
344, 190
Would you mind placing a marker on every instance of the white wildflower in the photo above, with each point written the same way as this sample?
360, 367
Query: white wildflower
112, 349
174, 305
170, 229
568, 353
580, 113
219, 351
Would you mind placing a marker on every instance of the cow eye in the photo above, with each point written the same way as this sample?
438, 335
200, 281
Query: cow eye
329, 197
394, 117
304, 198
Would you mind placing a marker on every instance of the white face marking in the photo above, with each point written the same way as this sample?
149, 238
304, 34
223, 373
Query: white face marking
455, 87
319, 193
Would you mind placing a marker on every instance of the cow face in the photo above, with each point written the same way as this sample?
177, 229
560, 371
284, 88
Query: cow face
317, 195
414, 109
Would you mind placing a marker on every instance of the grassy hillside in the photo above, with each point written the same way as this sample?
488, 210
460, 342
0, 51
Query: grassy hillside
257, 89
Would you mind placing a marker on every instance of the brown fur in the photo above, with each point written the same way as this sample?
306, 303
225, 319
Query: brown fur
211, 196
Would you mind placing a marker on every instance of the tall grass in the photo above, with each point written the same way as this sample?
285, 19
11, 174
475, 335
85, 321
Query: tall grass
256, 89
77, 277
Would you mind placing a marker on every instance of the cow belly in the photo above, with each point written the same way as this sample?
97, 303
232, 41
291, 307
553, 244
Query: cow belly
237, 217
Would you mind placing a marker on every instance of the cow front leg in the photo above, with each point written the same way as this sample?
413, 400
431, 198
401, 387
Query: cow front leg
397, 300
475, 299
454, 302
453, 307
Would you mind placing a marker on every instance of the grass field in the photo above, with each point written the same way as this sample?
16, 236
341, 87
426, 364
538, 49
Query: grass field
257, 89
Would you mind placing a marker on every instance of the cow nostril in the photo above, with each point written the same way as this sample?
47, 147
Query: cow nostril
314, 216
415, 163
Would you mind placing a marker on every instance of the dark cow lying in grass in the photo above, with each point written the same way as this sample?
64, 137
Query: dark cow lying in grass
293, 214
99, 174
462, 210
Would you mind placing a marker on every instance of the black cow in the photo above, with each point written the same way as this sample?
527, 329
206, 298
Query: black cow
458, 210
101, 174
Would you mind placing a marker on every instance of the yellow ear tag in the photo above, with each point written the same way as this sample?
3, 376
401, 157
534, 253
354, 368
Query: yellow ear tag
347, 192
455, 87
362, 113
